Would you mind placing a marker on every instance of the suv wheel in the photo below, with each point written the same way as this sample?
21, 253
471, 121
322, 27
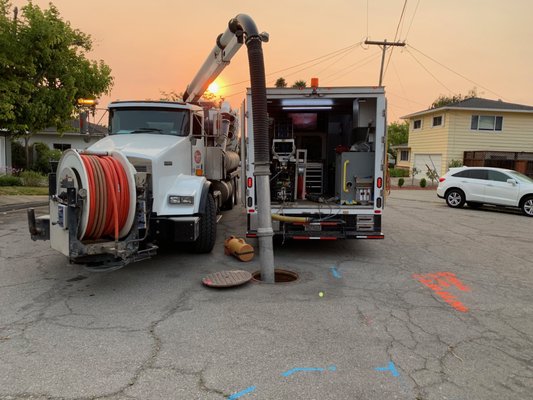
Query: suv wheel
455, 198
527, 206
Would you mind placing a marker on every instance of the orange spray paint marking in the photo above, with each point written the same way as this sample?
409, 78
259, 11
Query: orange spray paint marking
440, 281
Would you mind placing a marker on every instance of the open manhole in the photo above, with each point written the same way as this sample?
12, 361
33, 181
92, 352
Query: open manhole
280, 276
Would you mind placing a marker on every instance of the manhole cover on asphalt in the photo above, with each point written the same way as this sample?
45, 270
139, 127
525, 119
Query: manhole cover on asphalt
227, 279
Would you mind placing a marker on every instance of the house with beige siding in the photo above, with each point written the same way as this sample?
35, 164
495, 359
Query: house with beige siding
474, 131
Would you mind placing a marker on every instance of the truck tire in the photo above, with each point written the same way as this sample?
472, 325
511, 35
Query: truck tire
208, 228
230, 202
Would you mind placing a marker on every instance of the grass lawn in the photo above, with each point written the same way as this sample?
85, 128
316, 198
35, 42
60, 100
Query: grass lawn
23, 190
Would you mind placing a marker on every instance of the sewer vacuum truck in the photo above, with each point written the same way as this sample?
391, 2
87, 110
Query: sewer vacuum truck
159, 176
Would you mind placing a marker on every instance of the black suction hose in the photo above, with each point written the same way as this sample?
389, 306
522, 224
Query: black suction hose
246, 24
259, 101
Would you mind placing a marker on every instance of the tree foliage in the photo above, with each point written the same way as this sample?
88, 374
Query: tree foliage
443, 101
397, 133
300, 84
281, 83
44, 69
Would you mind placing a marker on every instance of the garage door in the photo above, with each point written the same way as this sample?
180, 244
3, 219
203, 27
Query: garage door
422, 161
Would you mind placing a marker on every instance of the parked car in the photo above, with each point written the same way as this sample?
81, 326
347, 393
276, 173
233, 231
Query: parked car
476, 186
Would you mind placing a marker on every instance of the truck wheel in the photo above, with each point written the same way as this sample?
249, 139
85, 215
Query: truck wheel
208, 228
229, 203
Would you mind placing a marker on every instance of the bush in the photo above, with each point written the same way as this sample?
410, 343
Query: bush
18, 155
33, 178
10, 180
401, 181
423, 182
398, 172
43, 156
455, 164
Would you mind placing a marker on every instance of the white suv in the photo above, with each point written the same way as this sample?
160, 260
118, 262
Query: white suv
484, 185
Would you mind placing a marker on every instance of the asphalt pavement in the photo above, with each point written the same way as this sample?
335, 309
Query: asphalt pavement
439, 309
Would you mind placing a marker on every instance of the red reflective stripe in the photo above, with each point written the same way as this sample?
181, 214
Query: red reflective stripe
314, 238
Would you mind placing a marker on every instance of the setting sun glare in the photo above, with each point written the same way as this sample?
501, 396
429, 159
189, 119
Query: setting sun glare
214, 88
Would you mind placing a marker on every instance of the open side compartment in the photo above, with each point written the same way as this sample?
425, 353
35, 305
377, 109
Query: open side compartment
323, 151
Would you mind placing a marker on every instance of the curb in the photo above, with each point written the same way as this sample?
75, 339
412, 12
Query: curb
14, 207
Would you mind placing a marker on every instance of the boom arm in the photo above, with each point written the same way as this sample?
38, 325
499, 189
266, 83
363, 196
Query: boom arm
240, 28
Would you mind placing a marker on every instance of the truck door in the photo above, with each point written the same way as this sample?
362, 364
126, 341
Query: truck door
198, 144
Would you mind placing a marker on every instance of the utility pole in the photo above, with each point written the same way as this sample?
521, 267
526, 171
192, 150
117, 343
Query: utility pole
384, 44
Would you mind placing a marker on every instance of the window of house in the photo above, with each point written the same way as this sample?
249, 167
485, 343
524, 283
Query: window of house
417, 124
61, 146
486, 123
404, 155
437, 121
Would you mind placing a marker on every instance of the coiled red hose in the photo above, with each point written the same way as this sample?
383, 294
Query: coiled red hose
109, 195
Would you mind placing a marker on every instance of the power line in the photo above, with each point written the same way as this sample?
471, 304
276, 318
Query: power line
384, 44
367, 19
307, 67
412, 19
429, 72
344, 71
333, 53
319, 73
396, 34
456, 73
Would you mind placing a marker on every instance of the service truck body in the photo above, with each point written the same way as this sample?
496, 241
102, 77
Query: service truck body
327, 163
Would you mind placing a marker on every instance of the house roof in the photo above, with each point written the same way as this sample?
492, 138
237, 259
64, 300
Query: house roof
75, 125
476, 104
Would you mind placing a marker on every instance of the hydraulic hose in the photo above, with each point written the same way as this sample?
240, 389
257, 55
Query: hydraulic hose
286, 218
109, 195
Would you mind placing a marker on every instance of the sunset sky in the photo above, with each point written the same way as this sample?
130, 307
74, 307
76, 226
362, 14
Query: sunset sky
452, 47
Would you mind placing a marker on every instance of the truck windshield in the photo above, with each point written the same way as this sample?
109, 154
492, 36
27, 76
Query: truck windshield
162, 121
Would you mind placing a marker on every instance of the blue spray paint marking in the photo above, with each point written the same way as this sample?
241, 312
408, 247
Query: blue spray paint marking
242, 393
292, 371
390, 368
335, 272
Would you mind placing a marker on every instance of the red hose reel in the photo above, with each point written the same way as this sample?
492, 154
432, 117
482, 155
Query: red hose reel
109, 206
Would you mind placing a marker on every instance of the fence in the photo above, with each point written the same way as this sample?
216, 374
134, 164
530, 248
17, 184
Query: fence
519, 161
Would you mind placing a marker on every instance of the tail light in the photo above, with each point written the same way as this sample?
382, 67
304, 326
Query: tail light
442, 179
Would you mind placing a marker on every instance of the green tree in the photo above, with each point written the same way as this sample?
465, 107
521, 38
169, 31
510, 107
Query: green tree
45, 69
397, 133
299, 84
281, 83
